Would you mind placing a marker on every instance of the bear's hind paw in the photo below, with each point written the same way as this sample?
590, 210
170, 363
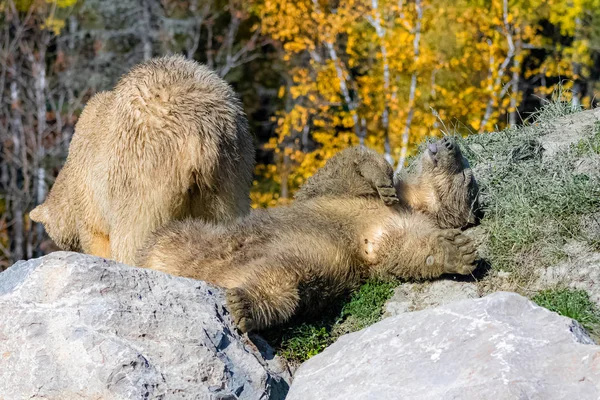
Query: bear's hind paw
460, 252
240, 307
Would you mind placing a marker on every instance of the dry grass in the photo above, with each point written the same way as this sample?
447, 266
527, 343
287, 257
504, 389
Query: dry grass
533, 204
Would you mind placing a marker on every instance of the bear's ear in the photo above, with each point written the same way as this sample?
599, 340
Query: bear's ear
40, 214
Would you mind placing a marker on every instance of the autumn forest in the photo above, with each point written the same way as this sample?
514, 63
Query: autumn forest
315, 76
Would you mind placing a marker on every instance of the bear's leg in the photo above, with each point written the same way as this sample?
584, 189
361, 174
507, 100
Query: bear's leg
124, 250
100, 245
223, 205
418, 249
94, 241
299, 273
269, 296
129, 234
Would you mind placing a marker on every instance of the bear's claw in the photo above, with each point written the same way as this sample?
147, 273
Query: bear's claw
241, 310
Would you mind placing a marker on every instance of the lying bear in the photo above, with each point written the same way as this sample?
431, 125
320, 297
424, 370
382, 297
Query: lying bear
345, 226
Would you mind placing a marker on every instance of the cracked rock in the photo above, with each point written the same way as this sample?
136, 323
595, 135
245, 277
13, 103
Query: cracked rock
76, 326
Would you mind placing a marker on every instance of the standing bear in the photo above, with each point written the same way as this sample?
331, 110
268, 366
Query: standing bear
344, 227
170, 141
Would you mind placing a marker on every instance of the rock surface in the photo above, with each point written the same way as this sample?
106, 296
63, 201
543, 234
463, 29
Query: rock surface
76, 326
498, 347
581, 270
567, 130
410, 297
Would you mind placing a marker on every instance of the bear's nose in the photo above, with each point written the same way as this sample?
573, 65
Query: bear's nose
432, 148
448, 143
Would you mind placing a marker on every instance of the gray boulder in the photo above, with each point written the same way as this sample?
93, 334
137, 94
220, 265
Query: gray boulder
498, 347
76, 326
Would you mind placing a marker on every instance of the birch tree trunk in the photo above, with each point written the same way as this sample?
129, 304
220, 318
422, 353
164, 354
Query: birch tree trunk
385, 115
16, 205
344, 88
352, 105
514, 84
494, 97
413, 87
39, 76
577, 83
146, 31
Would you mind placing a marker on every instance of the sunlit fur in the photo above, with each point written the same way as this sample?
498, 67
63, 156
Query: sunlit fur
169, 141
354, 172
281, 261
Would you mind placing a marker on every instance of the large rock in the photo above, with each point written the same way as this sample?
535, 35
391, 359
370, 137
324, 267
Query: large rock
75, 326
498, 347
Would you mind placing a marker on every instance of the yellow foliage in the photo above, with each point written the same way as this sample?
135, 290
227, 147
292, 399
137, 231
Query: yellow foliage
338, 54
62, 3
49, 11
54, 25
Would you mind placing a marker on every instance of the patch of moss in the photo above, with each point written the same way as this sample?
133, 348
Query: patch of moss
366, 306
304, 341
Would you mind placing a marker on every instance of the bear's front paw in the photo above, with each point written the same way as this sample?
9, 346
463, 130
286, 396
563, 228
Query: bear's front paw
240, 307
388, 194
380, 177
458, 251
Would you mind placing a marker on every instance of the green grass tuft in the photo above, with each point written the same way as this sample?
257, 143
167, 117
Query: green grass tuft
559, 105
572, 303
365, 307
589, 145
304, 341
299, 341
537, 208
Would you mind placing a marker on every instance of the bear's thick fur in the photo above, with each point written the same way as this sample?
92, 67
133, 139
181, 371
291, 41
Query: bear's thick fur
277, 262
170, 141
354, 172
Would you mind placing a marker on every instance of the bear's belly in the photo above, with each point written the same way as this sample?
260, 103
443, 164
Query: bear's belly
375, 230
369, 243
